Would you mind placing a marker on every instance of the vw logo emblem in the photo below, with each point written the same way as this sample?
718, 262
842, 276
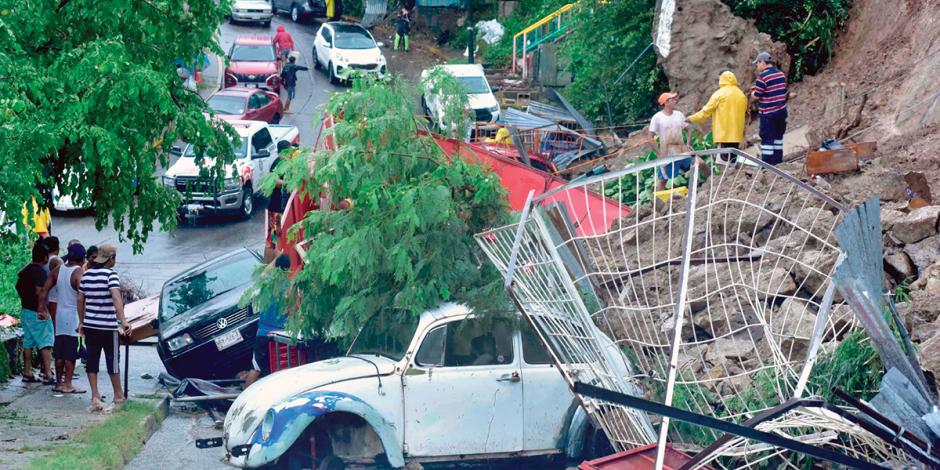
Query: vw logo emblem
221, 323
251, 77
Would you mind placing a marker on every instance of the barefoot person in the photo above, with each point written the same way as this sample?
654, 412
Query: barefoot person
101, 313
37, 327
65, 280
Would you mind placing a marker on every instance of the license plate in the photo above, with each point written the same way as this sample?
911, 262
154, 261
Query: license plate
228, 339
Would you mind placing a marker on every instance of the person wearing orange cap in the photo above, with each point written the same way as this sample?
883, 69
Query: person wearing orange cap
667, 138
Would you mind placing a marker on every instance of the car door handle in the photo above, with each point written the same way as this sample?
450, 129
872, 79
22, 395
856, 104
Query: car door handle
513, 377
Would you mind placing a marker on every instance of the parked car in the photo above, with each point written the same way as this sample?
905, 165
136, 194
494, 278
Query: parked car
343, 49
483, 105
203, 332
253, 62
300, 10
256, 150
440, 388
252, 11
243, 103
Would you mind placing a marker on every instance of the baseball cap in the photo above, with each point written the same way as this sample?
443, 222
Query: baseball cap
76, 252
762, 57
666, 96
105, 252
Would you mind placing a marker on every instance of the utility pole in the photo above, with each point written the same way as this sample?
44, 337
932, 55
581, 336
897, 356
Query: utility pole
471, 32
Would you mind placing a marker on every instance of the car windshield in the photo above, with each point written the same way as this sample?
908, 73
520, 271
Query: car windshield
223, 104
239, 146
474, 85
184, 294
353, 38
253, 53
387, 334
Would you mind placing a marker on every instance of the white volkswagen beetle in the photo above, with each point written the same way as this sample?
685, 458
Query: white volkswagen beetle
444, 387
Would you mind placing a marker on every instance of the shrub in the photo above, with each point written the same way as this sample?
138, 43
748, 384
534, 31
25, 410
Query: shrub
807, 27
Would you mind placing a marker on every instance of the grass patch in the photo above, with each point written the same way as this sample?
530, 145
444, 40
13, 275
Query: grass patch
104, 446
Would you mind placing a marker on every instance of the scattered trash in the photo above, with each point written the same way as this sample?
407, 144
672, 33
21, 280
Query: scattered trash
8, 321
490, 31
61, 437
146, 376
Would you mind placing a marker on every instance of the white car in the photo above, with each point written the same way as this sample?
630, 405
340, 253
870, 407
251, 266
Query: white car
252, 11
343, 49
444, 387
483, 104
256, 152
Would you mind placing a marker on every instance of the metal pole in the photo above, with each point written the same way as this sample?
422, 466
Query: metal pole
127, 364
471, 32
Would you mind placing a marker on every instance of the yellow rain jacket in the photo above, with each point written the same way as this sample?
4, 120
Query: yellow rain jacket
726, 107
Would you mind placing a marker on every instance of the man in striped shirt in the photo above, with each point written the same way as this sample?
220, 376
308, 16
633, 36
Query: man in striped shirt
101, 316
770, 91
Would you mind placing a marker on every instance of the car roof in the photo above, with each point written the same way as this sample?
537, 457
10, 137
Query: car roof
446, 310
236, 91
464, 70
253, 40
246, 128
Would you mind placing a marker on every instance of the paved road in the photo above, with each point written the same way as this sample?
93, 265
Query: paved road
166, 254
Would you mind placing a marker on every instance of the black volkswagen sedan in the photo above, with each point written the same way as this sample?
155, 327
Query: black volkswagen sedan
203, 331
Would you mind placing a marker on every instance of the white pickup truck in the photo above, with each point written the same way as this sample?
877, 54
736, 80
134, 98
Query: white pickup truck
444, 387
255, 154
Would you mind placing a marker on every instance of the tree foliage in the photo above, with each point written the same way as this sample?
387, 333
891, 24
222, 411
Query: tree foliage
91, 103
807, 27
402, 235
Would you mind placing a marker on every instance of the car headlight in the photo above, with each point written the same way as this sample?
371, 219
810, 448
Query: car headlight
267, 425
494, 109
341, 59
169, 181
179, 342
232, 184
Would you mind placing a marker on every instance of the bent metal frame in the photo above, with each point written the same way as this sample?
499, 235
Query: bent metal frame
721, 302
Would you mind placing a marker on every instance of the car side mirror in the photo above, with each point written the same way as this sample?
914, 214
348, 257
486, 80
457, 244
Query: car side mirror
283, 145
379, 44
263, 153
177, 151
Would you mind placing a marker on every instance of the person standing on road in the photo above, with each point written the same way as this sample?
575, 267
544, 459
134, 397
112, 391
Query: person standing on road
37, 327
289, 78
52, 244
402, 29
272, 319
101, 316
65, 280
770, 91
283, 42
726, 108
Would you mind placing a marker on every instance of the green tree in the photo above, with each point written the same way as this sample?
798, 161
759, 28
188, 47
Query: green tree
402, 237
608, 38
91, 103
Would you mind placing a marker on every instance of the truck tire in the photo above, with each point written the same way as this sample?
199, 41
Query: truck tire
248, 202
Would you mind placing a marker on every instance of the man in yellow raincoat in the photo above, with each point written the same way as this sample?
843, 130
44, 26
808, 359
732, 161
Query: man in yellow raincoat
726, 108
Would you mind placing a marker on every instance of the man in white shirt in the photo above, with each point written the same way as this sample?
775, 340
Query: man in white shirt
667, 137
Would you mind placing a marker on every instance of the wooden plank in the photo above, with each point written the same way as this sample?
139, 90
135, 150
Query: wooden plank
139, 315
822, 162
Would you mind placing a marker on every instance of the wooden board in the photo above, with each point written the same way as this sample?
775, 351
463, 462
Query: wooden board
140, 314
822, 162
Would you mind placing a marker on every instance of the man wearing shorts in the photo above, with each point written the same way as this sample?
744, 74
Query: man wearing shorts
37, 327
65, 280
101, 315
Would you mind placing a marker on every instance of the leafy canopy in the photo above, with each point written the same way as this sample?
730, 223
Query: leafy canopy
403, 236
91, 103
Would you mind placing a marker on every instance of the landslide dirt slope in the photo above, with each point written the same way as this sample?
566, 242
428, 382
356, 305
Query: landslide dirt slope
890, 51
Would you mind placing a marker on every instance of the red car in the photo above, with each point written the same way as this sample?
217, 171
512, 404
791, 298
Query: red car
253, 63
252, 104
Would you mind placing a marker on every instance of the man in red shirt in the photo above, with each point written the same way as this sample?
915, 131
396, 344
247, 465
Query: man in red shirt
283, 42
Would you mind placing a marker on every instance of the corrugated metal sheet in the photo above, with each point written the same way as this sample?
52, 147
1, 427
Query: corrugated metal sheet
550, 112
375, 11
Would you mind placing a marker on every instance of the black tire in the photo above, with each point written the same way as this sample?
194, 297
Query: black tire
276, 119
295, 15
248, 203
267, 24
424, 108
329, 71
596, 444
316, 61
331, 462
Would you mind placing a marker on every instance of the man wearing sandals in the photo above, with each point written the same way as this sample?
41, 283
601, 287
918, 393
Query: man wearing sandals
101, 316
37, 327
65, 280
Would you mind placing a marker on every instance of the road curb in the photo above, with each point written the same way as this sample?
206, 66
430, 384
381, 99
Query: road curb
152, 422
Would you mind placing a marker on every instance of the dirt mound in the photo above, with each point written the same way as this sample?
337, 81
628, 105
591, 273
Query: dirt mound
707, 39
